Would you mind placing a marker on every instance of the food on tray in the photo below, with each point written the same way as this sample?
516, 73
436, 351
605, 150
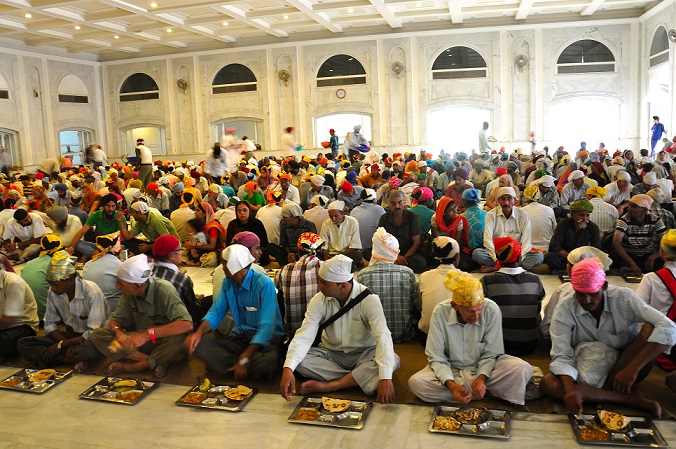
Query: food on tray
125, 383
441, 423
194, 397
11, 382
613, 421
335, 405
129, 396
43, 374
238, 394
306, 414
205, 385
593, 434
469, 415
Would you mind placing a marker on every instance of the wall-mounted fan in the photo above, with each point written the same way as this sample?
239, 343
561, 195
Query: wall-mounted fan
397, 67
182, 84
672, 35
521, 61
284, 75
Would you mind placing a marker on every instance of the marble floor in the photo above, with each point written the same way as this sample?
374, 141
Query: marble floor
58, 419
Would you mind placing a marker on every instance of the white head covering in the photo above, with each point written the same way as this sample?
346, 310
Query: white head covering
140, 207
357, 128
622, 175
444, 247
506, 191
657, 194
576, 174
546, 180
370, 195
337, 205
316, 200
385, 246
317, 180
291, 210
337, 269
135, 270
587, 252
650, 178
215, 188
237, 257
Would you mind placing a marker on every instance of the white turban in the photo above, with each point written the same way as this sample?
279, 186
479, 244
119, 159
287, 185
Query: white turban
237, 257
444, 247
650, 178
319, 200
291, 210
357, 128
135, 270
317, 180
587, 252
337, 205
546, 180
140, 207
337, 269
622, 175
369, 195
385, 246
576, 174
506, 191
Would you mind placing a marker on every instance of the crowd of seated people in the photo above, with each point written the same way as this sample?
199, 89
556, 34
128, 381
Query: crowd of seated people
386, 239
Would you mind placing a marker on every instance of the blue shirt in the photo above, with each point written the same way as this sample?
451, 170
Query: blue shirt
476, 219
658, 130
253, 305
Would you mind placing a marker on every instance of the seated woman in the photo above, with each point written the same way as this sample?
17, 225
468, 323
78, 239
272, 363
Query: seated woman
448, 222
505, 181
90, 199
244, 221
215, 234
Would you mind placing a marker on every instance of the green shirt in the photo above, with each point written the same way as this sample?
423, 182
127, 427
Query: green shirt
255, 200
35, 275
155, 226
424, 215
161, 306
102, 226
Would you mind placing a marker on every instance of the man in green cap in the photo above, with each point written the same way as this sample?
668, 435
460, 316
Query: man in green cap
572, 232
75, 308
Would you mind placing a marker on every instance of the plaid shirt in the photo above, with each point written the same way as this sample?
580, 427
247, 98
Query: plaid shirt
181, 282
298, 283
397, 289
87, 311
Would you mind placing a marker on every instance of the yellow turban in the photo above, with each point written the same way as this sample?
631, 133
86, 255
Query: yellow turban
668, 244
61, 267
596, 192
467, 290
530, 193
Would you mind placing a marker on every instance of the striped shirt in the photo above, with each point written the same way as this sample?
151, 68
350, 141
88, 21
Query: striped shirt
298, 283
397, 289
519, 295
641, 238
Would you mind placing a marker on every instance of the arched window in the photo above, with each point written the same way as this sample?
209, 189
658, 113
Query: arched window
340, 70
72, 90
659, 48
4, 88
234, 78
343, 123
73, 142
139, 86
250, 127
10, 139
586, 56
459, 62
154, 136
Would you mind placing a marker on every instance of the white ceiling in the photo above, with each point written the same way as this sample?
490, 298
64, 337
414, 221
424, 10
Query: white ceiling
120, 29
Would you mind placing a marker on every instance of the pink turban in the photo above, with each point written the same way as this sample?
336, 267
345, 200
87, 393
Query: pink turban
395, 182
246, 238
588, 276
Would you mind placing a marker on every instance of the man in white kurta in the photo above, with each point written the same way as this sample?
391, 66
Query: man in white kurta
356, 350
341, 234
465, 351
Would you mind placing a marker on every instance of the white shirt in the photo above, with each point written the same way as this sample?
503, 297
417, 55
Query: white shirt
614, 196
73, 226
225, 216
543, 223
17, 300
654, 292
340, 238
517, 226
362, 327
288, 144
247, 146
23, 233
180, 218
570, 194
432, 292
318, 215
292, 194
271, 217
217, 166
146, 154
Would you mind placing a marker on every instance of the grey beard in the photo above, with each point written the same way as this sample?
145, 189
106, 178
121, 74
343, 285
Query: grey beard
581, 226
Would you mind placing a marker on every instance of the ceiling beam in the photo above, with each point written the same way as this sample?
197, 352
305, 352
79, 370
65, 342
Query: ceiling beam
524, 9
455, 9
591, 9
386, 13
238, 13
321, 18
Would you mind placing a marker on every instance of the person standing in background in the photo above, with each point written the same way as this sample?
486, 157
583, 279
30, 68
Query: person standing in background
484, 146
333, 143
288, 142
657, 131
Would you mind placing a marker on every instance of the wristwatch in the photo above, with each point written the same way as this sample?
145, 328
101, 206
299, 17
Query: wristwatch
59, 344
243, 361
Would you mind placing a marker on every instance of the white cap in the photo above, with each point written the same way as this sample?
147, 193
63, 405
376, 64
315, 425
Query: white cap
237, 257
135, 270
650, 178
546, 180
370, 195
337, 205
337, 269
576, 174
506, 191
140, 207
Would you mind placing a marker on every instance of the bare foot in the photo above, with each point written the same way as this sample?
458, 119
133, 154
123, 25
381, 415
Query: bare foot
81, 367
487, 269
638, 400
314, 386
122, 367
160, 371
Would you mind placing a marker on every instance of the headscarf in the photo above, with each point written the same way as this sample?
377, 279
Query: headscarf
61, 267
471, 195
425, 193
588, 276
208, 212
291, 210
346, 186
596, 192
642, 200
337, 269
385, 246
237, 257
108, 243
395, 182
467, 290
337, 205
246, 238
582, 204
164, 245
507, 250
50, 243
530, 193
319, 200
57, 212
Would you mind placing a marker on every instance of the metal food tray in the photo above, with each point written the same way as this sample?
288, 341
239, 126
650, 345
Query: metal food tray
564, 278
104, 390
497, 423
35, 387
631, 279
352, 418
216, 399
641, 432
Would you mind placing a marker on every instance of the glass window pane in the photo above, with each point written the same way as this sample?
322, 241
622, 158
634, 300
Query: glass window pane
458, 58
660, 42
138, 82
455, 128
340, 65
585, 51
234, 74
342, 123
154, 139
